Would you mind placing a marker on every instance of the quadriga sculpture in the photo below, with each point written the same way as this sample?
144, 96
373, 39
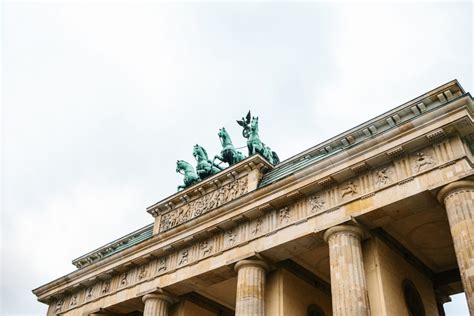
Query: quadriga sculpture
205, 167
254, 144
228, 153
190, 176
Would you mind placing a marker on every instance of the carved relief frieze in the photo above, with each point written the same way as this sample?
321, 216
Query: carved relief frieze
183, 257
161, 267
106, 287
123, 280
73, 301
203, 204
89, 293
230, 237
383, 176
256, 226
317, 203
59, 305
422, 161
205, 248
142, 272
284, 216
349, 189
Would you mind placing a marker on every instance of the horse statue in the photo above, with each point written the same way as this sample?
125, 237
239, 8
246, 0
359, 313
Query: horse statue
254, 144
190, 176
228, 153
205, 167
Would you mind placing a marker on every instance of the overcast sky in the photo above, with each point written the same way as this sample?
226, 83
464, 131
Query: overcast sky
99, 101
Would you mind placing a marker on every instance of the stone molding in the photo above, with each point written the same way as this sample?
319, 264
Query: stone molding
252, 263
453, 187
159, 296
344, 229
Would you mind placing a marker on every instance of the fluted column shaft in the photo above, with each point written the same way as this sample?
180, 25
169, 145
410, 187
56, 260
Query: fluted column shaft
156, 304
250, 300
458, 198
348, 284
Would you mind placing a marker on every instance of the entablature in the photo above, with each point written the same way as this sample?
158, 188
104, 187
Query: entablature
399, 148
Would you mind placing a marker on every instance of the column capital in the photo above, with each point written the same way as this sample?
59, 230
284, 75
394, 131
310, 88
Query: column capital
253, 263
351, 229
160, 297
452, 187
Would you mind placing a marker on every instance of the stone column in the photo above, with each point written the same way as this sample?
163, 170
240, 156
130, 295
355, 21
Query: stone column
348, 285
156, 304
458, 198
250, 300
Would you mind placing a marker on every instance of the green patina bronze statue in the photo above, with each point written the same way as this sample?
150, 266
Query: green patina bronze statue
205, 167
228, 153
190, 176
254, 144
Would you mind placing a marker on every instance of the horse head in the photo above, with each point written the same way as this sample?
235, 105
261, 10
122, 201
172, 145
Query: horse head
199, 153
182, 165
222, 132
224, 137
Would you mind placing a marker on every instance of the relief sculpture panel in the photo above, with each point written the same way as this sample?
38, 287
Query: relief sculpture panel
204, 204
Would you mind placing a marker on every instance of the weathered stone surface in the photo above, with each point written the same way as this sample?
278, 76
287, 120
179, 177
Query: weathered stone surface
250, 288
458, 198
202, 205
348, 284
387, 179
157, 304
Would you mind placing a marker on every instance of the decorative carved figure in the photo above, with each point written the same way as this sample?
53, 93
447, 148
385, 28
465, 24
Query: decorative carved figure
205, 167
231, 236
284, 215
190, 176
228, 153
73, 300
422, 160
254, 144
223, 195
203, 204
89, 292
59, 305
206, 248
161, 264
124, 279
316, 202
257, 227
142, 272
106, 287
350, 188
184, 257
184, 213
383, 176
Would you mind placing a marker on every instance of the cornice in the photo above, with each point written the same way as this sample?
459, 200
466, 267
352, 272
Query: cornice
390, 120
317, 174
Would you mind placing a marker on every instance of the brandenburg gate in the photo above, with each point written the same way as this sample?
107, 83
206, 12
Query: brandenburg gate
378, 220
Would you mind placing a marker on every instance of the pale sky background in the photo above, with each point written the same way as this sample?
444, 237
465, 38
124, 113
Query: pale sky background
100, 100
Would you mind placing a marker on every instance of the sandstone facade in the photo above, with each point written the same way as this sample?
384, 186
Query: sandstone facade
376, 221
